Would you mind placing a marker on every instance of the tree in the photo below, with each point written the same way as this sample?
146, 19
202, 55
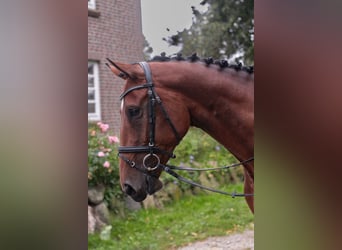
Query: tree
148, 50
226, 29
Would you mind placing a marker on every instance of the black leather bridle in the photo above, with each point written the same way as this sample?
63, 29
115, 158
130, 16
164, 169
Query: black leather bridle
151, 160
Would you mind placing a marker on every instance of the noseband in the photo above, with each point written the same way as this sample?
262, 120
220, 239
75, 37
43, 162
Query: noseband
151, 160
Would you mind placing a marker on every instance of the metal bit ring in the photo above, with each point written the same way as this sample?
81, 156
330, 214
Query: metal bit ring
148, 157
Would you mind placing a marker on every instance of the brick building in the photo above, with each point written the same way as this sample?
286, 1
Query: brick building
114, 31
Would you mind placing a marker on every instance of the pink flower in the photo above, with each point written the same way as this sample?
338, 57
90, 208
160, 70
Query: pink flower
100, 154
104, 127
106, 164
113, 139
93, 133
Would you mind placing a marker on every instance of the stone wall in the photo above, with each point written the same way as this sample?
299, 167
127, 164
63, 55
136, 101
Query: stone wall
98, 213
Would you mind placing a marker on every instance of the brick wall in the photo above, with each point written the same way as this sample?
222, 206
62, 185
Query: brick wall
116, 33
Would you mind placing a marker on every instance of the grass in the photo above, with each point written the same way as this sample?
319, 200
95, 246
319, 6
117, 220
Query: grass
191, 219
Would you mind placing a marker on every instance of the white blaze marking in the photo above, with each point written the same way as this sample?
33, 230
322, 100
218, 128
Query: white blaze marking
122, 104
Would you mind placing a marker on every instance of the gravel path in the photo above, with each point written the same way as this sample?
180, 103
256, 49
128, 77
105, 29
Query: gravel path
237, 241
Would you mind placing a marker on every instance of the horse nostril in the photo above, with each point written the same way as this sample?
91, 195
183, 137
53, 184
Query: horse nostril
129, 190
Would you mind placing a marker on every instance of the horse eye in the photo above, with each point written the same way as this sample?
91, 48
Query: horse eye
133, 111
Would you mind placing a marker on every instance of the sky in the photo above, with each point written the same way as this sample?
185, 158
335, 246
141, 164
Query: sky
158, 15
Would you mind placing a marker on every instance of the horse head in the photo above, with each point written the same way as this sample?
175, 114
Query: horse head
153, 122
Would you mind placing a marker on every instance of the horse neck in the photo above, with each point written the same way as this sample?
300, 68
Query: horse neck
220, 103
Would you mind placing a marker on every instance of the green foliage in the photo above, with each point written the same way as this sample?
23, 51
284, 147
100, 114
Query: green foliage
227, 27
199, 150
103, 161
191, 219
148, 50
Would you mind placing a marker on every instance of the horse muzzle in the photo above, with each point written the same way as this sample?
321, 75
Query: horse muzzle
139, 192
153, 184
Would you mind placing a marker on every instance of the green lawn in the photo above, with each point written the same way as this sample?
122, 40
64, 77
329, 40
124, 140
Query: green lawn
191, 219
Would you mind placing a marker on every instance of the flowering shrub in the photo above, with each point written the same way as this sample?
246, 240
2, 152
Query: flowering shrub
199, 150
103, 161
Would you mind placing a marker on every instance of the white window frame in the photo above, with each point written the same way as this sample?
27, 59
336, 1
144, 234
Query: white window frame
91, 4
97, 115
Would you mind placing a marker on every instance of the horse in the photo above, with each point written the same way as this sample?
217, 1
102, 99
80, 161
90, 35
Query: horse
162, 98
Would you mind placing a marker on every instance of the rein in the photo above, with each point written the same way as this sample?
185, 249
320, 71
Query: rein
151, 160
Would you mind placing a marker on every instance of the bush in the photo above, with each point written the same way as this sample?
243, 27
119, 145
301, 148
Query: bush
103, 160
199, 150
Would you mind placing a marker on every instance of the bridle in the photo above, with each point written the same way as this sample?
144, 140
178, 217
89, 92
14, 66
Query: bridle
151, 160
151, 149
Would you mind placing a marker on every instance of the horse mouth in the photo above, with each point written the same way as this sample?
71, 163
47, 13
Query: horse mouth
153, 184
139, 197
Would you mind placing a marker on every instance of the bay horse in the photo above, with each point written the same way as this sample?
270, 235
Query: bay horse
162, 98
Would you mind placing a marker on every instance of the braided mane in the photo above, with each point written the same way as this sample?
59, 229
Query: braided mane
208, 61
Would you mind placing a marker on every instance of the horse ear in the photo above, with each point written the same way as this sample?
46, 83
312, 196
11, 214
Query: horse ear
120, 69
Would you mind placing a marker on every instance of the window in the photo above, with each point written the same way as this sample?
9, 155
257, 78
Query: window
92, 9
94, 113
91, 4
